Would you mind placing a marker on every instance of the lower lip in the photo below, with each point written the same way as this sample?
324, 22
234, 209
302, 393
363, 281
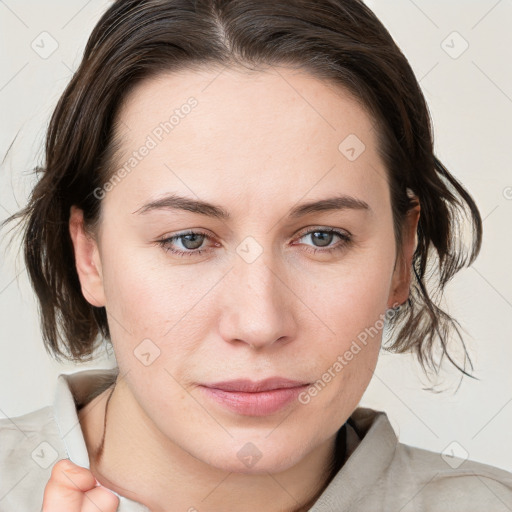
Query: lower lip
261, 403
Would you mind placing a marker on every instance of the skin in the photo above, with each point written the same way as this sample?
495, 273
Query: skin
74, 489
216, 316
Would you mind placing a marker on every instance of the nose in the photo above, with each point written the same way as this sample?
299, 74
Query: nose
257, 305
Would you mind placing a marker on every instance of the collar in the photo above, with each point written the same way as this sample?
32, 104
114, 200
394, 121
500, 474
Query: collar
368, 459
70, 390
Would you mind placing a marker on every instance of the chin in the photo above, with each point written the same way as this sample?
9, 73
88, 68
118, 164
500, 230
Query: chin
254, 458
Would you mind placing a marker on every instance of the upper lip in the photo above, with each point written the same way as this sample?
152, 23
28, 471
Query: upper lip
250, 386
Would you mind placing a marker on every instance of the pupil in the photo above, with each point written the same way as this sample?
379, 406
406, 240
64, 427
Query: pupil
326, 238
195, 243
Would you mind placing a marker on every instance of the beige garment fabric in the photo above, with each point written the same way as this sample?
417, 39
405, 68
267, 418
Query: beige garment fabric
380, 475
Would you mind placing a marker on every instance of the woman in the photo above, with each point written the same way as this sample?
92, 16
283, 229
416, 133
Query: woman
239, 195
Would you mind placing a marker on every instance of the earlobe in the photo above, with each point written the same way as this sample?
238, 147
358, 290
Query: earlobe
87, 259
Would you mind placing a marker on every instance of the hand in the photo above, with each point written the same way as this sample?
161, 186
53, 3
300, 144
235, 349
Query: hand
72, 488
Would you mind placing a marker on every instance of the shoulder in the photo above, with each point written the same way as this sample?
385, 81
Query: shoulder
30, 445
401, 477
453, 482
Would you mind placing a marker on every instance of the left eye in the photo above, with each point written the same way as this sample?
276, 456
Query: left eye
325, 236
192, 241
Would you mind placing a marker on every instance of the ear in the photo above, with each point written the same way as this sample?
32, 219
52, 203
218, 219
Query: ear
87, 259
401, 281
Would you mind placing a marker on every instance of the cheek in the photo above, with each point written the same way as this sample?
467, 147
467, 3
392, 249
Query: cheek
149, 300
351, 296
144, 294
351, 302
346, 361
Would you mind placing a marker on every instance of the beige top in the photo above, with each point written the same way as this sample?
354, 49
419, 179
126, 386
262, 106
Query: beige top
380, 473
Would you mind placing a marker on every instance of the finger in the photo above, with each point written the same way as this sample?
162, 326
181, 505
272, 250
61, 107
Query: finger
65, 489
99, 498
72, 476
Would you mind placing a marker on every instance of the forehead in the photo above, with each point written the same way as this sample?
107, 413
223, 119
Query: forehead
273, 131
231, 97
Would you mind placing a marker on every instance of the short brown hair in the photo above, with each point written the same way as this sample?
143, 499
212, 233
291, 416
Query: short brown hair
341, 41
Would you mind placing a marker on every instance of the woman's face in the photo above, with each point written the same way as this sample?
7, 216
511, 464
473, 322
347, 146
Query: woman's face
249, 298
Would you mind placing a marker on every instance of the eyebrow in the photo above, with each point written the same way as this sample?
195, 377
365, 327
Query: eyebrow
175, 202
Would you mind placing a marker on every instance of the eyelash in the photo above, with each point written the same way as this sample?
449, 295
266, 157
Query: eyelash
165, 243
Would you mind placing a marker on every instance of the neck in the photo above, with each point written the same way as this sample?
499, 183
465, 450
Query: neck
130, 456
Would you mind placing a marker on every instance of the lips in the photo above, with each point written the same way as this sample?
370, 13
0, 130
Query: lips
249, 386
254, 398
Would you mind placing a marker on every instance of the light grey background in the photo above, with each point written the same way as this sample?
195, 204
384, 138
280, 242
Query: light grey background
470, 98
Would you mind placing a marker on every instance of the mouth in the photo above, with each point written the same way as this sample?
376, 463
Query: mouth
250, 398
249, 386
